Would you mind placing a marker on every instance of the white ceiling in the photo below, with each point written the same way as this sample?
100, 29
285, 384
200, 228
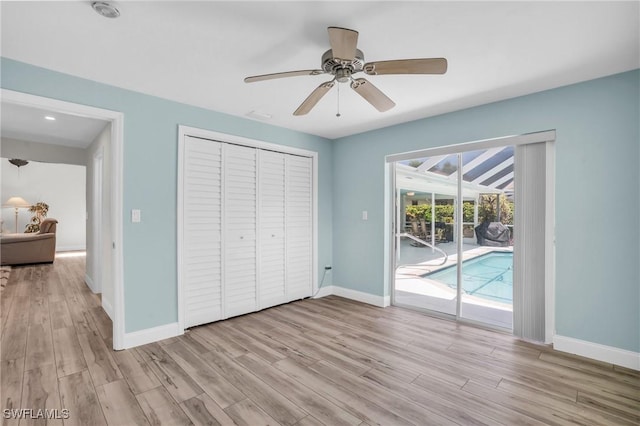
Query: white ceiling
29, 124
199, 52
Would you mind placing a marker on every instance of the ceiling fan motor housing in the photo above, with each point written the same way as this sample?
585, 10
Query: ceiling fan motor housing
342, 68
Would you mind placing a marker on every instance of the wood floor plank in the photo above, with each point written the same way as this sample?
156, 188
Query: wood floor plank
161, 409
274, 403
246, 413
174, 378
39, 346
372, 361
250, 344
136, 372
317, 361
303, 397
216, 386
14, 341
353, 403
78, 395
620, 407
40, 392
39, 311
380, 396
68, 353
220, 342
312, 421
450, 400
316, 351
202, 410
99, 360
60, 316
119, 405
11, 375
102, 322
582, 413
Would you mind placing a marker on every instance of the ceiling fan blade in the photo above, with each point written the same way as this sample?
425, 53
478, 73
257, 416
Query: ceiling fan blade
372, 94
407, 66
263, 77
313, 98
343, 43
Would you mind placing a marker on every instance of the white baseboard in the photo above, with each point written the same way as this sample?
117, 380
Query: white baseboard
91, 284
324, 291
621, 357
151, 335
71, 248
108, 307
371, 299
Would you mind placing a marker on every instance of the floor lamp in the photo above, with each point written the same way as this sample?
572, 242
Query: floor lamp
17, 203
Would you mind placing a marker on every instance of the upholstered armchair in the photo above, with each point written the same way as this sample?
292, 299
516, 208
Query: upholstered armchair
40, 247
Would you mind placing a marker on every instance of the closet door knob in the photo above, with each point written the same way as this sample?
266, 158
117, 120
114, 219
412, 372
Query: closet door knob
241, 237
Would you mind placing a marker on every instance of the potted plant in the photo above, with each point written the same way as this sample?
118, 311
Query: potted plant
39, 210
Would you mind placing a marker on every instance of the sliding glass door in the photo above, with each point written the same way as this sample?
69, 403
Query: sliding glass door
454, 234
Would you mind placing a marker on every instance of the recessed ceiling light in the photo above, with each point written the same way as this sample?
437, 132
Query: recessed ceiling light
50, 118
105, 9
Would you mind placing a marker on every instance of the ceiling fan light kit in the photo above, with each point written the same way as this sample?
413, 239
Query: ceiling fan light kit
343, 60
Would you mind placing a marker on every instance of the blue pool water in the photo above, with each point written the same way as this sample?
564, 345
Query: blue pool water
489, 276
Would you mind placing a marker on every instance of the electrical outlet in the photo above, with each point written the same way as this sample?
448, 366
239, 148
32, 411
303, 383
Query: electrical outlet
135, 216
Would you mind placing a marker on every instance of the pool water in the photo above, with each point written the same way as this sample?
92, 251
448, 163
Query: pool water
489, 276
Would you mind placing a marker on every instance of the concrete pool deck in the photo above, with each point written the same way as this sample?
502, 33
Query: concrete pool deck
412, 289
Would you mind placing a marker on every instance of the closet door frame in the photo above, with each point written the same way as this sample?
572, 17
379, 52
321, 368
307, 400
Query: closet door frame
183, 133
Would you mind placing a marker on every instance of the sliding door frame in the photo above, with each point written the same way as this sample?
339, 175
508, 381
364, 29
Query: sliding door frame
392, 246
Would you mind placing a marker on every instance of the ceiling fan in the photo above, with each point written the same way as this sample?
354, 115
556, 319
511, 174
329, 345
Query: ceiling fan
344, 60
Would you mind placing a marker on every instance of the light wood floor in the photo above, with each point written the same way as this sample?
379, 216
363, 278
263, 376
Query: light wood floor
329, 361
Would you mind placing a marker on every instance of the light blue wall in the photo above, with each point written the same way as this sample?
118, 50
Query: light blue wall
597, 200
150, 178
598, 250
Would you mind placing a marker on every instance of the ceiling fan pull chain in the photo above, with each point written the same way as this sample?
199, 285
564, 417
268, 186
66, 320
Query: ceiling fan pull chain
338, 113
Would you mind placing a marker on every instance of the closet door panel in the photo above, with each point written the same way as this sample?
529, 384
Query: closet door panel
299, 218
239, 230
271, 210
202, 202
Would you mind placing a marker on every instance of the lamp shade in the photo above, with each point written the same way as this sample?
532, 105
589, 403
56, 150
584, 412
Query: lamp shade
17, 202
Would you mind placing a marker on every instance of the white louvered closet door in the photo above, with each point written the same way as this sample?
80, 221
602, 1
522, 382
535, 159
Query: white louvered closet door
240, 277
299, 218
271, 225
202, 216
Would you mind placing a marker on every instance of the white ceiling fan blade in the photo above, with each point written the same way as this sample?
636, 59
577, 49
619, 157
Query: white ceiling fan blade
372, 94
313, 98
343, 43
263, 77
407, 66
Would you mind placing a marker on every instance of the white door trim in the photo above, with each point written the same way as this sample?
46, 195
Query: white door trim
117, 137
96, 222
183, 132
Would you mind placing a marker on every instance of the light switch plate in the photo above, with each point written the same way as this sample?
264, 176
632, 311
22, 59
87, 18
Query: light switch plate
135, 216
365, 215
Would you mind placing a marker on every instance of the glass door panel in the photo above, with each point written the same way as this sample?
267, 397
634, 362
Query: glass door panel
486, 277
442, 245
425, 234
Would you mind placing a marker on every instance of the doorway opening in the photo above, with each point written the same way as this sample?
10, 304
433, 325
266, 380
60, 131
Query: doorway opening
110, 187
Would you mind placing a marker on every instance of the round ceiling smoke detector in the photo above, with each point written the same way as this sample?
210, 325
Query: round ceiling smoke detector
105, 9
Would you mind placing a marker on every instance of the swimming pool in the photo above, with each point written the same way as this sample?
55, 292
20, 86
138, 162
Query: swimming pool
489, 276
